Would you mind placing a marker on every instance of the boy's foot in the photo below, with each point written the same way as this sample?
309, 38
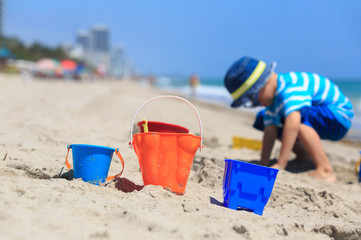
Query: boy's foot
325, 176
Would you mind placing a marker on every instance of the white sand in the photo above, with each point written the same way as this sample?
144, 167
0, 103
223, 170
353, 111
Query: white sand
39, 119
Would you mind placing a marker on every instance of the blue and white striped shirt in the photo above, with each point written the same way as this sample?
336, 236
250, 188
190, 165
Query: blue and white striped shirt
296, 90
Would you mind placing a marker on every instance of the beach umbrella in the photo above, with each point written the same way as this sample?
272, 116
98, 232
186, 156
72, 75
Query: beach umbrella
68, 64
5, 53
49, 67
47, 64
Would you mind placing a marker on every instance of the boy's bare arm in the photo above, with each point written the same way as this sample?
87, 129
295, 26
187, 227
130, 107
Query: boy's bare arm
269, 137
289, 136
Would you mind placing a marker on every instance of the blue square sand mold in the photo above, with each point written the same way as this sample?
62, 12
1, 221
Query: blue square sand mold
247, 186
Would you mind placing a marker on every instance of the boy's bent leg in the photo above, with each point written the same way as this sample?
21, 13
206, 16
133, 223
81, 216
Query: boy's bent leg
312, 143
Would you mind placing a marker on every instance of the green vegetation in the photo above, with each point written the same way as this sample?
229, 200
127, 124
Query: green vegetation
33, 52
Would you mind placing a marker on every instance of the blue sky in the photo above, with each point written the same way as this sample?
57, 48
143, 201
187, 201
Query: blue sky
165, 37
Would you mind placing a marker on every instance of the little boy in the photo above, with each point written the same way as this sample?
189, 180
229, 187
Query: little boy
301, 109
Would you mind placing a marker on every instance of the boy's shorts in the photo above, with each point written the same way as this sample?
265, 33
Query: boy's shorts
320, 118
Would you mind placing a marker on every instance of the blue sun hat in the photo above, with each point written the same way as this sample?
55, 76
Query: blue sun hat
245, 78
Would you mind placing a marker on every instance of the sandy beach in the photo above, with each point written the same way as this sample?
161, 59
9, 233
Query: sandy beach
40, 118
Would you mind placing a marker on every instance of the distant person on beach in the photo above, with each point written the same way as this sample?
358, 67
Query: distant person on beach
194, 83
151, 80
301, 109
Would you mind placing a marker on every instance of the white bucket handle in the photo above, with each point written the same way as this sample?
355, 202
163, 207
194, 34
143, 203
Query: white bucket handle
167, 96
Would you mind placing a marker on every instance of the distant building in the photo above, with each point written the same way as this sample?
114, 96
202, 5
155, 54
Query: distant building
99, 39
93, 46
81, 50
99, 53
83, 40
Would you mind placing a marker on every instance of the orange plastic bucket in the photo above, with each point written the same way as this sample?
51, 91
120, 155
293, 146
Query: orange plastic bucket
166, 159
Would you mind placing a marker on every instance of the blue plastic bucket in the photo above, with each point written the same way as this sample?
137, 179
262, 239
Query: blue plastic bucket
247, 186
92, 162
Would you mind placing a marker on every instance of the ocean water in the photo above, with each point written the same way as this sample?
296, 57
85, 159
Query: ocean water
212, 90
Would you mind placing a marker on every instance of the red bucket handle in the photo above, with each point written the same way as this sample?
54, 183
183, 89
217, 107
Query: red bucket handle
168, 96
110, 178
